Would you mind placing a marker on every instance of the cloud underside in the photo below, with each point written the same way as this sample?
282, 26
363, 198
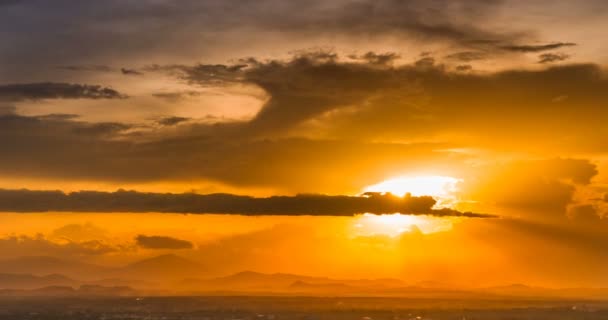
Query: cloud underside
52, 90
131, 201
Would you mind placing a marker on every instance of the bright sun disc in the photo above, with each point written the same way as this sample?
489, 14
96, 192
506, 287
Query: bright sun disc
436, 186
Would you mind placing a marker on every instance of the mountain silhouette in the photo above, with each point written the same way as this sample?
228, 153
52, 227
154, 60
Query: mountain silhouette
29, 281
278, 282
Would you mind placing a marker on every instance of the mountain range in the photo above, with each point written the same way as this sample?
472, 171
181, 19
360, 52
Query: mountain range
172, 274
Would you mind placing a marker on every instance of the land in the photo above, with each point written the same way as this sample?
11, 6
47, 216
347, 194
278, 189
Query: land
286, 308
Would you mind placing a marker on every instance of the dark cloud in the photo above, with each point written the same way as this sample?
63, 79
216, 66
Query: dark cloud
130, 72
464, 67
377, 58
162, 242
51, 90
425, 62
204, 74
552, 57
133, 30
131, 201
467, 56
306, 86
539, 47
171, 121
428, 98
79, 150
176, 96
7, 110
98, 68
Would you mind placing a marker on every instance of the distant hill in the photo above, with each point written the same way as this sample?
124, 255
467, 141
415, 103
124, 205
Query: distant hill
522, 290
67, 291
173, 274
250, 281
29, 281
326, 288
34, 271
94, 290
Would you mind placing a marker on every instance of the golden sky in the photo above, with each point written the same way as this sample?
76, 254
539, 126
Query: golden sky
497, 109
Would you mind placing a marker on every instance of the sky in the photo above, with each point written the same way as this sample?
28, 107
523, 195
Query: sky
244, 135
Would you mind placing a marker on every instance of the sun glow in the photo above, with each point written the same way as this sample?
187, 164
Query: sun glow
397, 224
442, 188
435, 186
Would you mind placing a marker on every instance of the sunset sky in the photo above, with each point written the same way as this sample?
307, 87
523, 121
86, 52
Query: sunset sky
132, 129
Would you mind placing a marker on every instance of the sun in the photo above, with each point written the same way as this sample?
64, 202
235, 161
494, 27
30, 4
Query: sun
435, 186
442, 188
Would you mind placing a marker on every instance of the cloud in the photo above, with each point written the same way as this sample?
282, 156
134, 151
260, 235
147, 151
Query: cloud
467, 56
131, 201
464, 68
7, 110
541, 186
441, 20
79, 232
98, 68
74, 149
203, 74
130, 72
552, 57
64, 127
52, 90
171, 121
377, 58
426, 95
321, 115
176, 96
538, 48
162, 242
41, 245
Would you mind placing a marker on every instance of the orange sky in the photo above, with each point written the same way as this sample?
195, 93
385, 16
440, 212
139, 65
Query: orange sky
497, 109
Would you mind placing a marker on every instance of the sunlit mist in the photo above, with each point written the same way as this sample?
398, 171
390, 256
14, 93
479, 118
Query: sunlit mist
396, 224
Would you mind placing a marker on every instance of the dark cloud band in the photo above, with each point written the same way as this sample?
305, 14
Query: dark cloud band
132, 201
54, 90
538, 48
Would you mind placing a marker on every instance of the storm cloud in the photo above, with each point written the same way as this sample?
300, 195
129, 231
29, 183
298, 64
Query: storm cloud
552, 57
